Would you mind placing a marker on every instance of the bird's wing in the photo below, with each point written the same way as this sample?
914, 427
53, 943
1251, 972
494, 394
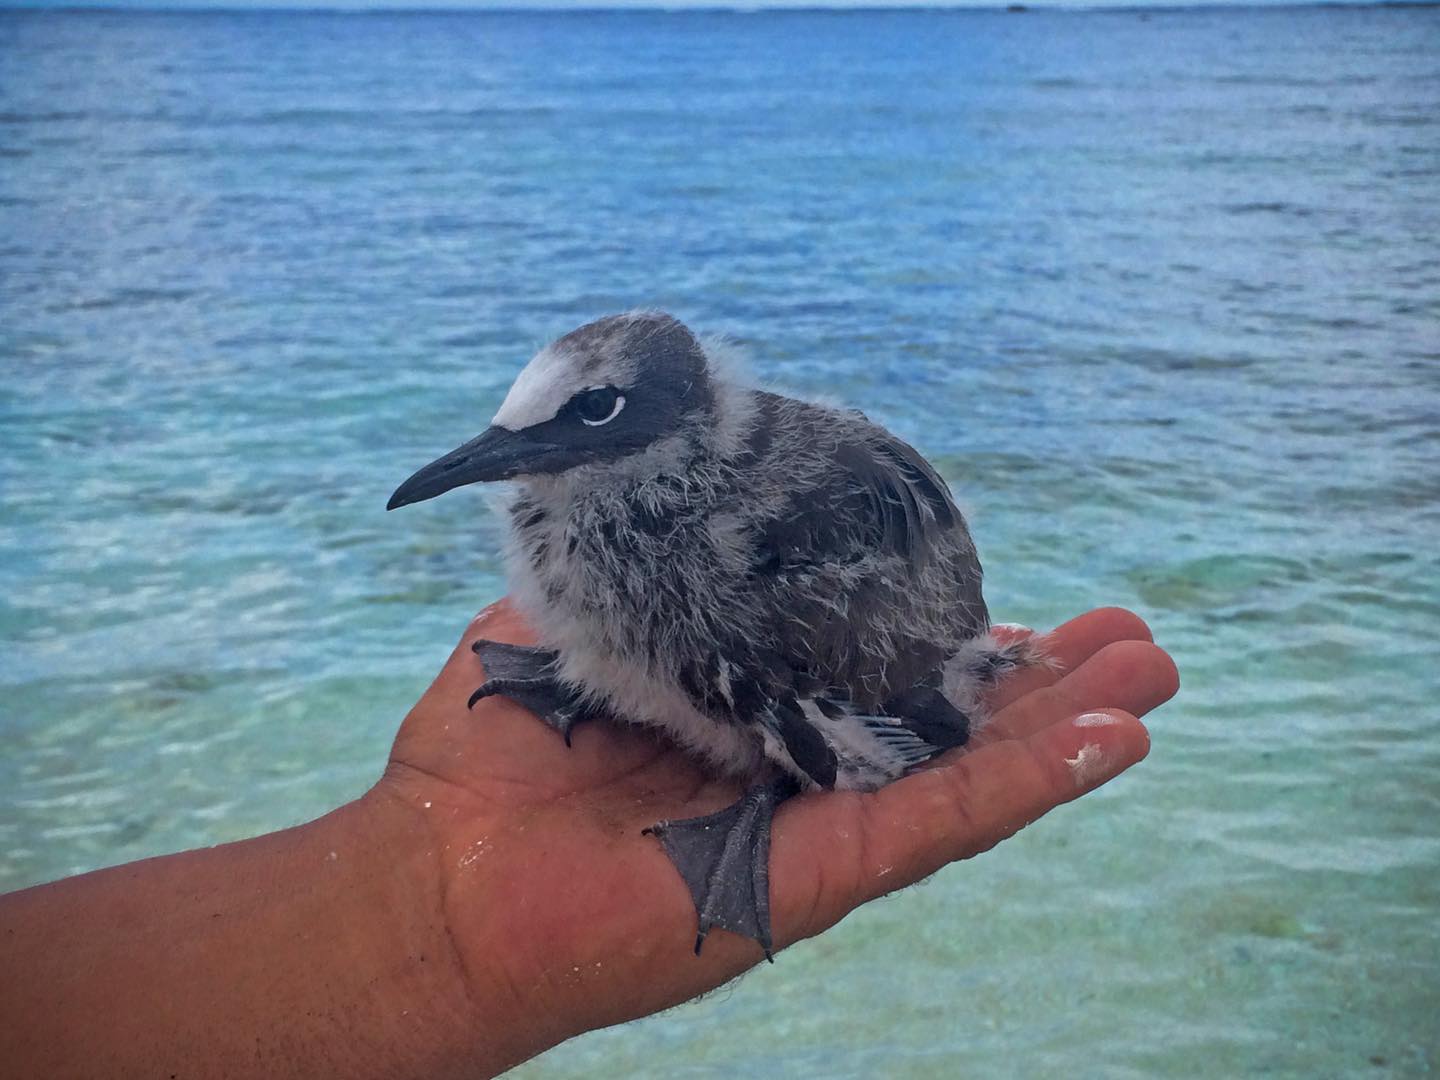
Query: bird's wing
881, 497
907, 499
744, 682
878, 498
827, 734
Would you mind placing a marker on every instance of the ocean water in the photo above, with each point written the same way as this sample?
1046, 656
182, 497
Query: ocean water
1159, 292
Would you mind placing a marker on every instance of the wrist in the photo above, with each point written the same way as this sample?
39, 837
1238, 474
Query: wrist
425, 1009
467, 1016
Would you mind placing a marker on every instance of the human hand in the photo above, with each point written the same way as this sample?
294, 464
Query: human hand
565, 917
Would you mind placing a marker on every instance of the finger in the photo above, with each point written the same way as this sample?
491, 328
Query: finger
500, 621
462, 671
494, 722
443, 718
1069, 646
1135, 676
913, 827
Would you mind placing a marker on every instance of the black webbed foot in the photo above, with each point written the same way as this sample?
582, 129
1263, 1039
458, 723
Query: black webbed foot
527, 677
724, 858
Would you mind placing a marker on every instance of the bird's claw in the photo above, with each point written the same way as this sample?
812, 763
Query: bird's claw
527, 676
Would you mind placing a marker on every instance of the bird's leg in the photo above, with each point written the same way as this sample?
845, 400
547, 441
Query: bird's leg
527, 677
724, 858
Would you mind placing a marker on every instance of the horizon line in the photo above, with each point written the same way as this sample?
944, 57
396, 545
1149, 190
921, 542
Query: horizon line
188, 7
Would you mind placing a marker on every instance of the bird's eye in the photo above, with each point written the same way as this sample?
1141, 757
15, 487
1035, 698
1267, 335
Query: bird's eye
599, 405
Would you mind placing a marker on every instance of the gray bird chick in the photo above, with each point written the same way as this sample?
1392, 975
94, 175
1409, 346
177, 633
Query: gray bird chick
785, 590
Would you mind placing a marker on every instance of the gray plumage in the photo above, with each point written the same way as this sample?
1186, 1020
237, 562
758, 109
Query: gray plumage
775, 584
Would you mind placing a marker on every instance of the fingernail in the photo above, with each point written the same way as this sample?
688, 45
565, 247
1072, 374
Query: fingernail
1094, 719
1013, 627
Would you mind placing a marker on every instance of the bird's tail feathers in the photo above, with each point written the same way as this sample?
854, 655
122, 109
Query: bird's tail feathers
983, 662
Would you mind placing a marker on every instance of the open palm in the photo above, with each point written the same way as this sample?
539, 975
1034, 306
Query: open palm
566, 917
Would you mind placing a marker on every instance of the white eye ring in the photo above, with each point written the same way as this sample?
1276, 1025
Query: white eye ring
614, 411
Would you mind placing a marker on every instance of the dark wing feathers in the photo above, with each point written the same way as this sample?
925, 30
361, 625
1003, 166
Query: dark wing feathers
750, 686
909, 502
893, 505
927, 713
886, 498
807, 747
922, 478
882, 498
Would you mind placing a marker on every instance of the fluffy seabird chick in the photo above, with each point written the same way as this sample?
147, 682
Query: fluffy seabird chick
785, 589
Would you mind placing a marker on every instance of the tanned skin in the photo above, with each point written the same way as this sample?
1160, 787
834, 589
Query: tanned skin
494, 895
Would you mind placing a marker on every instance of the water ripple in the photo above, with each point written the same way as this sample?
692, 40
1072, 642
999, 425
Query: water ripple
1155, 290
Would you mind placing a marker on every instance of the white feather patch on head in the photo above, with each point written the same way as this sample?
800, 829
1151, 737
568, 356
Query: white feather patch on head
731, 383
541, 390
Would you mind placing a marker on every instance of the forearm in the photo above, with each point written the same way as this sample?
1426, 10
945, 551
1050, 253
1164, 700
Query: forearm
498, 893
320, 950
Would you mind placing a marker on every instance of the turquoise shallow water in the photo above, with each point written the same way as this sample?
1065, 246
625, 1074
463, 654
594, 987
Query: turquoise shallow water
1159, 292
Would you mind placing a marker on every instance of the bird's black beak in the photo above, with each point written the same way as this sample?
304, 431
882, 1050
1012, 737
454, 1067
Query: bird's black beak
498, 454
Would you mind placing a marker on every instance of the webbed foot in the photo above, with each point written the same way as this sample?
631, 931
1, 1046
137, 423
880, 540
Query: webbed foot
527, 676
724, 858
